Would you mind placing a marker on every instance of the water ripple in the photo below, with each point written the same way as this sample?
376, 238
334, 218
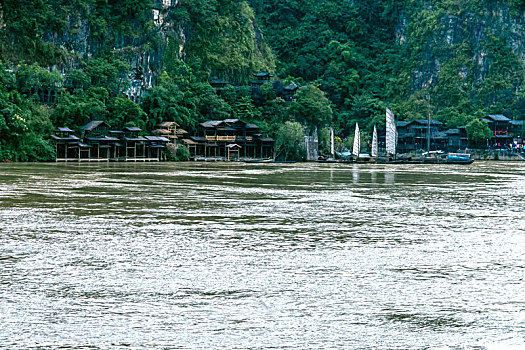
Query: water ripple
298, 256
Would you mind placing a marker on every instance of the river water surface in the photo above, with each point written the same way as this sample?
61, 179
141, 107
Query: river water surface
235, 256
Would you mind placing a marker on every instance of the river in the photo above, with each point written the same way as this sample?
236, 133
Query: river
282, 256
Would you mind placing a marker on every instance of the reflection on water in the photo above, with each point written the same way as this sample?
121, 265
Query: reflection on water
300, 256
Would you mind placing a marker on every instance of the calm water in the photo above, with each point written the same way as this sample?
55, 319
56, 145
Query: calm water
300, 256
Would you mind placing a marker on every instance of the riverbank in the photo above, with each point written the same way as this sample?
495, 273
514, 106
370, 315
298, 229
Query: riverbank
497, 155
478, 155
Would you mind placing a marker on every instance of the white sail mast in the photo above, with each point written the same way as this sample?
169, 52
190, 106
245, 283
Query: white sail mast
391, 133
357, 141
374, 143
332, 145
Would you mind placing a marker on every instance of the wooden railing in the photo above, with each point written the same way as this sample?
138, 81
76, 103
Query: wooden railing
220, 138
228, 138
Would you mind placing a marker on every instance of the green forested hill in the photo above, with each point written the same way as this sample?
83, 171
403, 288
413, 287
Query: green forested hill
66, 62
466, 56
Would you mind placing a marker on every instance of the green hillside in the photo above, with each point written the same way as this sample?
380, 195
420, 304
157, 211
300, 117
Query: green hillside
64, 63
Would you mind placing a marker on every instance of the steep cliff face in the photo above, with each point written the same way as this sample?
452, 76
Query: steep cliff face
472, 32
222, 38
463, 55
214, 37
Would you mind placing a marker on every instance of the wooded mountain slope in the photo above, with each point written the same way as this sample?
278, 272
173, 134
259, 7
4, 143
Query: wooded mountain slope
457, 59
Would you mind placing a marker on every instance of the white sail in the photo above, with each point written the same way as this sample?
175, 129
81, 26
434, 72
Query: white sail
391, 133
332, 145
357, 141
374, 143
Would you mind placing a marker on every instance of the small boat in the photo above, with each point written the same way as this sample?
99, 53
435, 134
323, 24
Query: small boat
391, 139
459, 158
375, 148
357, 156
440, 157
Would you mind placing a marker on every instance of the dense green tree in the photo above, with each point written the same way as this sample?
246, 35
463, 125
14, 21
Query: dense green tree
125, 112
77, 109
290, 142
311, 107
478, 132
111, 74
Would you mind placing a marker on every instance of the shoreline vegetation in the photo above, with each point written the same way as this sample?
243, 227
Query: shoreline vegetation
293, 69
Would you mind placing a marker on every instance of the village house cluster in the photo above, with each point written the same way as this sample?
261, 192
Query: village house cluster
505, 132
412, 135
229, 139
98, 142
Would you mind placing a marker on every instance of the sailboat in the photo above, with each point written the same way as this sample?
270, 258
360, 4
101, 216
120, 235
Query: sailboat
357, 142
374, 152
391, 141
391, 135
332, 143
358, 157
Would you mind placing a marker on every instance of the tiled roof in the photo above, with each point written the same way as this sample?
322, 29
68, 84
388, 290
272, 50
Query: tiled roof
432, 122
93, 125
402, 123
497, 117
156, 138
211, 123
233, 121
63, 130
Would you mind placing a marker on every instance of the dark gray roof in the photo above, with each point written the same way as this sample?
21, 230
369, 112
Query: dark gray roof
432, 122
267, 139
156, 138
132, 129
93, 125
69, 138
211, 123
233, 121
63, 130
402, 123
497, 118
139, 138
517, 122
105, 138
251, 126
79, 144
452, 131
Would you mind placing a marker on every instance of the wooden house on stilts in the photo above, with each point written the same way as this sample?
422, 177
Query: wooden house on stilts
98, 143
